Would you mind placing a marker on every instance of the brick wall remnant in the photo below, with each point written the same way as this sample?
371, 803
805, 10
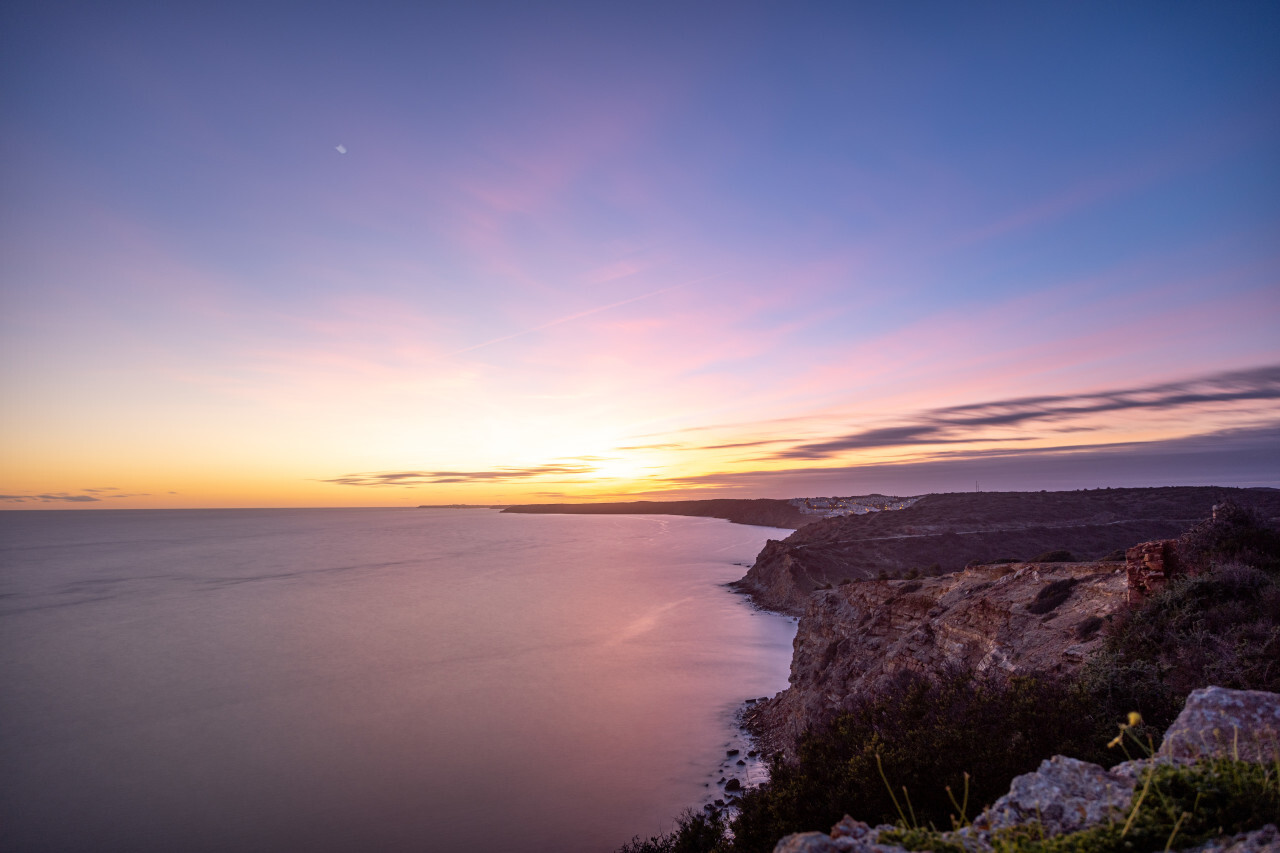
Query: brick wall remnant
1150, 566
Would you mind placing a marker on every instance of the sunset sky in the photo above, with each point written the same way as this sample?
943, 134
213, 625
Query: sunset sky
587, 251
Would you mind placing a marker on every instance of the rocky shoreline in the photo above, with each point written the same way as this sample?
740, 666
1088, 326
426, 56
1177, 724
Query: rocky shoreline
743, 766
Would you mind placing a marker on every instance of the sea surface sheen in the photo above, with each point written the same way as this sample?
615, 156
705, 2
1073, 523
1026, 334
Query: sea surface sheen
368, 679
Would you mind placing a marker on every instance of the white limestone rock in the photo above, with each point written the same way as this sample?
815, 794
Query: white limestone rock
1221, 723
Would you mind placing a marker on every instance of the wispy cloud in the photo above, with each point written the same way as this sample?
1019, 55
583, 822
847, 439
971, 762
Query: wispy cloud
83, 496
961, 424
423, 478
51, 497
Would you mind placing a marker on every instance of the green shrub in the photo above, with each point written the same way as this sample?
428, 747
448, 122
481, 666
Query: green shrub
1220, 628
1235, 534
1051, 596
927, 734
1087, 628
1174, 807
695, 832
915, 838
1060, 556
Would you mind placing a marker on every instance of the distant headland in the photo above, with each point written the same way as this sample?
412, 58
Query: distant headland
764, 512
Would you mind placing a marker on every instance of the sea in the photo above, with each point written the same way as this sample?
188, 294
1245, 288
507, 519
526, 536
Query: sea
371, 679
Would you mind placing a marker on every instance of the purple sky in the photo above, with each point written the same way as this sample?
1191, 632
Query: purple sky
591, 250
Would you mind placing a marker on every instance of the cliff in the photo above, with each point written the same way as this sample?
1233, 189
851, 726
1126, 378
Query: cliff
764, 512
944, 533
1013, 619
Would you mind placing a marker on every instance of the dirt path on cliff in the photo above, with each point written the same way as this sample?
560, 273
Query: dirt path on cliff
994, 529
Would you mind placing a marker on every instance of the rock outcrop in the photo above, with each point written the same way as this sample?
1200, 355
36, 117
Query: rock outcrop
1010, 619
1065, 795
1242, 724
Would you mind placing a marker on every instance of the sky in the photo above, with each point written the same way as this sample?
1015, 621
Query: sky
367, 254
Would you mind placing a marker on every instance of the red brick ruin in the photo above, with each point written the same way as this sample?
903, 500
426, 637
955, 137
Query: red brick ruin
1150, 566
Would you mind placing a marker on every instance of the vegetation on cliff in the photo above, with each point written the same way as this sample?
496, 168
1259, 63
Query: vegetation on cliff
1175, 807
1220, 627
927, 734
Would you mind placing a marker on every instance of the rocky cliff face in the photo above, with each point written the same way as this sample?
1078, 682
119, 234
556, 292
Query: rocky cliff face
1011, 619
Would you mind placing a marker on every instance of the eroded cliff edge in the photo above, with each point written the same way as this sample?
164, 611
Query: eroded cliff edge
1010, 619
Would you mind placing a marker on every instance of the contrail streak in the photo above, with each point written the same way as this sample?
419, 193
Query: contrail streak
578, 316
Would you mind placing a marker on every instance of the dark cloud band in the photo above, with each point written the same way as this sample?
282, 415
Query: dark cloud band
962, 424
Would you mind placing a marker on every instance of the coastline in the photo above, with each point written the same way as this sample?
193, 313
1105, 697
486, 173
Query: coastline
746, 753
743, 761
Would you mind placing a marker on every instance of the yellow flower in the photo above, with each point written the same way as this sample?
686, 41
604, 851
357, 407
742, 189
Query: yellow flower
1134, 719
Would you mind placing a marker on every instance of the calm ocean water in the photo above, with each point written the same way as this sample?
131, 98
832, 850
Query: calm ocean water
369, 680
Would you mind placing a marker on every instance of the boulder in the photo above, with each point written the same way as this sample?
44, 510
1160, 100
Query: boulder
807, 842
1217, 722
1064, 794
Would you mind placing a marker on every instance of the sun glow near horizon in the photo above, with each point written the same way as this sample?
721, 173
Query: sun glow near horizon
658, 252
